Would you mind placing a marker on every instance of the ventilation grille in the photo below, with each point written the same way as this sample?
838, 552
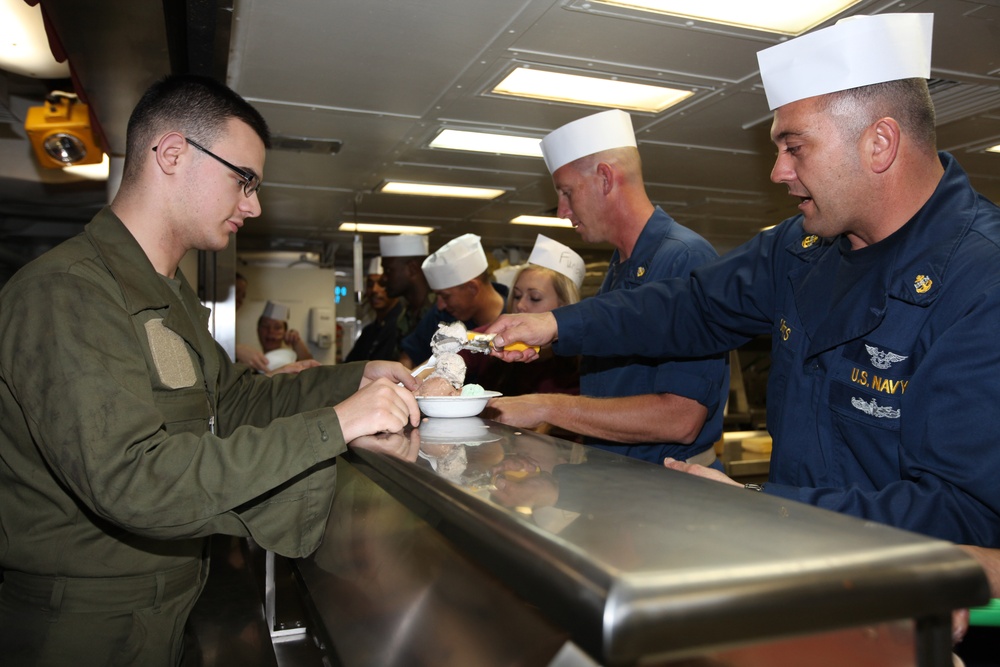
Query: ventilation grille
306, 145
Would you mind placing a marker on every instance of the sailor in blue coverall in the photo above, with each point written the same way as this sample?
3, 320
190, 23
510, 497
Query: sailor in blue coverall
648, 407
881, 401
882, 299
665, 249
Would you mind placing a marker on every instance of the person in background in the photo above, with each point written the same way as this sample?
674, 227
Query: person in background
127, 436
648, 407
379, 338
882, 296
403, 278
274, 334
457, 272
552, 277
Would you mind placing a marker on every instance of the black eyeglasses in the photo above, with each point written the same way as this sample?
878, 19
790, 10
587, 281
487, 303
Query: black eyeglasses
250, 181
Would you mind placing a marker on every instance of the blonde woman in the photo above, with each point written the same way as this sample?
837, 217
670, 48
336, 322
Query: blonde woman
539, 289
551, 278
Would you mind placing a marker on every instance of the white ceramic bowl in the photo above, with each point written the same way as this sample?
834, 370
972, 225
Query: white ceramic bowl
455, 406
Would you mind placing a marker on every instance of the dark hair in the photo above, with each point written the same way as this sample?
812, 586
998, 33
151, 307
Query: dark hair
198, 106
908, 101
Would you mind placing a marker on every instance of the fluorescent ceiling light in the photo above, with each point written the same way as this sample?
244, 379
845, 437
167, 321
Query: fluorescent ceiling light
542, 220
542, 85
372, 228
24, 46
994, 149
788, 17
434, 190
486, 142
93, 172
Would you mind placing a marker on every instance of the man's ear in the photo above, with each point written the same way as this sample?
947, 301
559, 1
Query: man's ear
168, 151
883, 144
607, 176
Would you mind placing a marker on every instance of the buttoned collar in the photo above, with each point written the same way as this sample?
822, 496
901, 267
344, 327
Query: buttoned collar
914, 272
921, 262
142, 287
635, 268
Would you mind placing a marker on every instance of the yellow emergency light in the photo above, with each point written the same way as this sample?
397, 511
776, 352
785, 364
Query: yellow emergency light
60, 133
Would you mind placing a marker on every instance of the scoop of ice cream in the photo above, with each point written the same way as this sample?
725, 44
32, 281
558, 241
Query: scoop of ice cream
448, 338
447, 377
451, 367
473, 390
436, 386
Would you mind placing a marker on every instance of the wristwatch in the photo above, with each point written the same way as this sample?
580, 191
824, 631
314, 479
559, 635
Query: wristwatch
754, 487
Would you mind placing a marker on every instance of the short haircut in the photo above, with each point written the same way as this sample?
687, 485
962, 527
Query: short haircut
625, 158
486, 278
197, 106
908, 101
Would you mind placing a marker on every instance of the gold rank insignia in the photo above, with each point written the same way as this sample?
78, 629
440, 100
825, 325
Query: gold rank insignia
640, 272
810, 240
922, 284
786, 330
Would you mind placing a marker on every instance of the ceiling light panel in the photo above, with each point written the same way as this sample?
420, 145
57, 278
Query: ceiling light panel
486, 142
542, 221
578, 89
378, 228
787, 17
437, 190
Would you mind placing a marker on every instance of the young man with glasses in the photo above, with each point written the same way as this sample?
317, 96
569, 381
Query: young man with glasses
248, 179
127, 436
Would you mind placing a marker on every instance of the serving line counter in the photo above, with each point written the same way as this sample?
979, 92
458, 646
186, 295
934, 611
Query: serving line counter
495, 546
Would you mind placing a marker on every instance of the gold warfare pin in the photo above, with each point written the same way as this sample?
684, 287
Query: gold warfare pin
922, 284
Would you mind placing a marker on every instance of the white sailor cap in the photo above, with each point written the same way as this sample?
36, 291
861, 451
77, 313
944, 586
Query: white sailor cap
856, 51
403, 245
375, 266
586, 136
457, 261
276, 311
560, 258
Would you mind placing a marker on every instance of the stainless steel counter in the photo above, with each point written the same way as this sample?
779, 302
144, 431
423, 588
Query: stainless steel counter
496, 546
